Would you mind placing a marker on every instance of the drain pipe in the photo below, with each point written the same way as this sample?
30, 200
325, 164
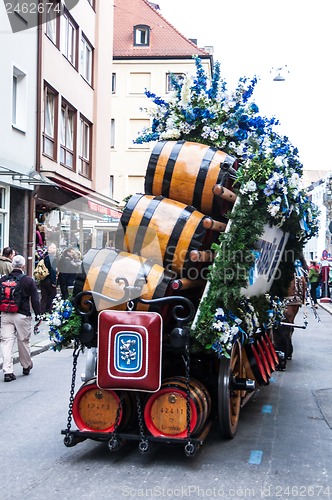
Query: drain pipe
34, 193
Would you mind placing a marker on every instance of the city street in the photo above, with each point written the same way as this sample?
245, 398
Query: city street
283, 447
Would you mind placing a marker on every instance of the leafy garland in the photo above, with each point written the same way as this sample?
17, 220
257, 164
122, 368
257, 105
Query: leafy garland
268, 184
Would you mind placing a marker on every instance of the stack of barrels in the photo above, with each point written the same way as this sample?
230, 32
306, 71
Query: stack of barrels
164, 242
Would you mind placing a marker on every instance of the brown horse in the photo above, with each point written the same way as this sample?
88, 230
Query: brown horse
282, 336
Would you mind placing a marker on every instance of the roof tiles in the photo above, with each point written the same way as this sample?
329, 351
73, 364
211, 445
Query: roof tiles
165, 40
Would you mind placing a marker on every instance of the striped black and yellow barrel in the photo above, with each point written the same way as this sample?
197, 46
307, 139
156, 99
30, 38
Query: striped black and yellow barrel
187, 172
103, 272
162, 229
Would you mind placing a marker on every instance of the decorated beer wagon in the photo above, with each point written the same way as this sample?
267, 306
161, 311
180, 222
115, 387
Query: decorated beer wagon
179, 318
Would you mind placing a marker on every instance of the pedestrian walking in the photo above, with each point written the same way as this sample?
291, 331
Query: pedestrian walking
6, 261
16, 319
48, 285
313, 278
68, 268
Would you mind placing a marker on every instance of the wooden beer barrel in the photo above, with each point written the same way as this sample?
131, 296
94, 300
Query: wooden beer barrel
95, 409
187, 172
102, 268
160, 228
165, 412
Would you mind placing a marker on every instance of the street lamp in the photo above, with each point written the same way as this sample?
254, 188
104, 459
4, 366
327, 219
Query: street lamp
279, 77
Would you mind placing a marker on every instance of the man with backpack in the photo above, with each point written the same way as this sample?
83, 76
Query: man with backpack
18, 292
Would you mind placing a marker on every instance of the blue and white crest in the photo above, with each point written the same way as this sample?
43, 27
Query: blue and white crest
128, 352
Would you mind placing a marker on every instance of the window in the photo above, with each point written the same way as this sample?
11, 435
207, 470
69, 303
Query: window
170, 78
113, 83
111, 186
112, 133
138, 82
85, 149
53, 21
69, 38
136, 126
86, 59
19, 99
67, 135
135, 184
141, 35
50, 122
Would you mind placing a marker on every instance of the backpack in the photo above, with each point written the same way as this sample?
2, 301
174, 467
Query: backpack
10, 293
41, 271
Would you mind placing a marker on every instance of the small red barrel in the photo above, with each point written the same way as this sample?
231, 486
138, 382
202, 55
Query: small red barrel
165, 412
95, 409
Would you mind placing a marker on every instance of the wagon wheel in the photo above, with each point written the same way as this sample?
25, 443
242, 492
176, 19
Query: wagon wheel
229, 399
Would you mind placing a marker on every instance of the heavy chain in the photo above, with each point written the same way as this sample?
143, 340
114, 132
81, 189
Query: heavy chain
76, 353
187, 374
144, 444
113, 443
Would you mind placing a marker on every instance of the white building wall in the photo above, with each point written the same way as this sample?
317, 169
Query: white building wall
129, 161
315, 246
18, 56
91, 100
18, 50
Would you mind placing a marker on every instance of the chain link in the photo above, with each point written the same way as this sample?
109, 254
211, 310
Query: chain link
113, 443
144, 442
76, 353
187, 373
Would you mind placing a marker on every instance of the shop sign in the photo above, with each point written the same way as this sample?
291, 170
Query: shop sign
106, 211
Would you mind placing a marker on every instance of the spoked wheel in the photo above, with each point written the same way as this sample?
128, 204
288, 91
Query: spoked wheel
229, 399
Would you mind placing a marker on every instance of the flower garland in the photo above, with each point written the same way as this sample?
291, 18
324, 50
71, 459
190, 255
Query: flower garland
268, 182
64, 323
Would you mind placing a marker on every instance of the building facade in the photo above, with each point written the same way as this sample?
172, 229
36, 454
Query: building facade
74, 106
147, 49
18, 96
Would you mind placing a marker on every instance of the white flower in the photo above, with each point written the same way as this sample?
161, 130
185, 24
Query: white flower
248, 187
219, 325
273, 208
294, 181
186, 91
219, 312
170, 134
279, 161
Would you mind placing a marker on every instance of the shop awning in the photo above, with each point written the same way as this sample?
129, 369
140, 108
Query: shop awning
82, 201
31, 177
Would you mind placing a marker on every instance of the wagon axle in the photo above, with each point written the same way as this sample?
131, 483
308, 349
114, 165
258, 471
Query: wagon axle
243, 384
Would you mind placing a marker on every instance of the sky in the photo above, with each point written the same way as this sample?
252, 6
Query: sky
255, 38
